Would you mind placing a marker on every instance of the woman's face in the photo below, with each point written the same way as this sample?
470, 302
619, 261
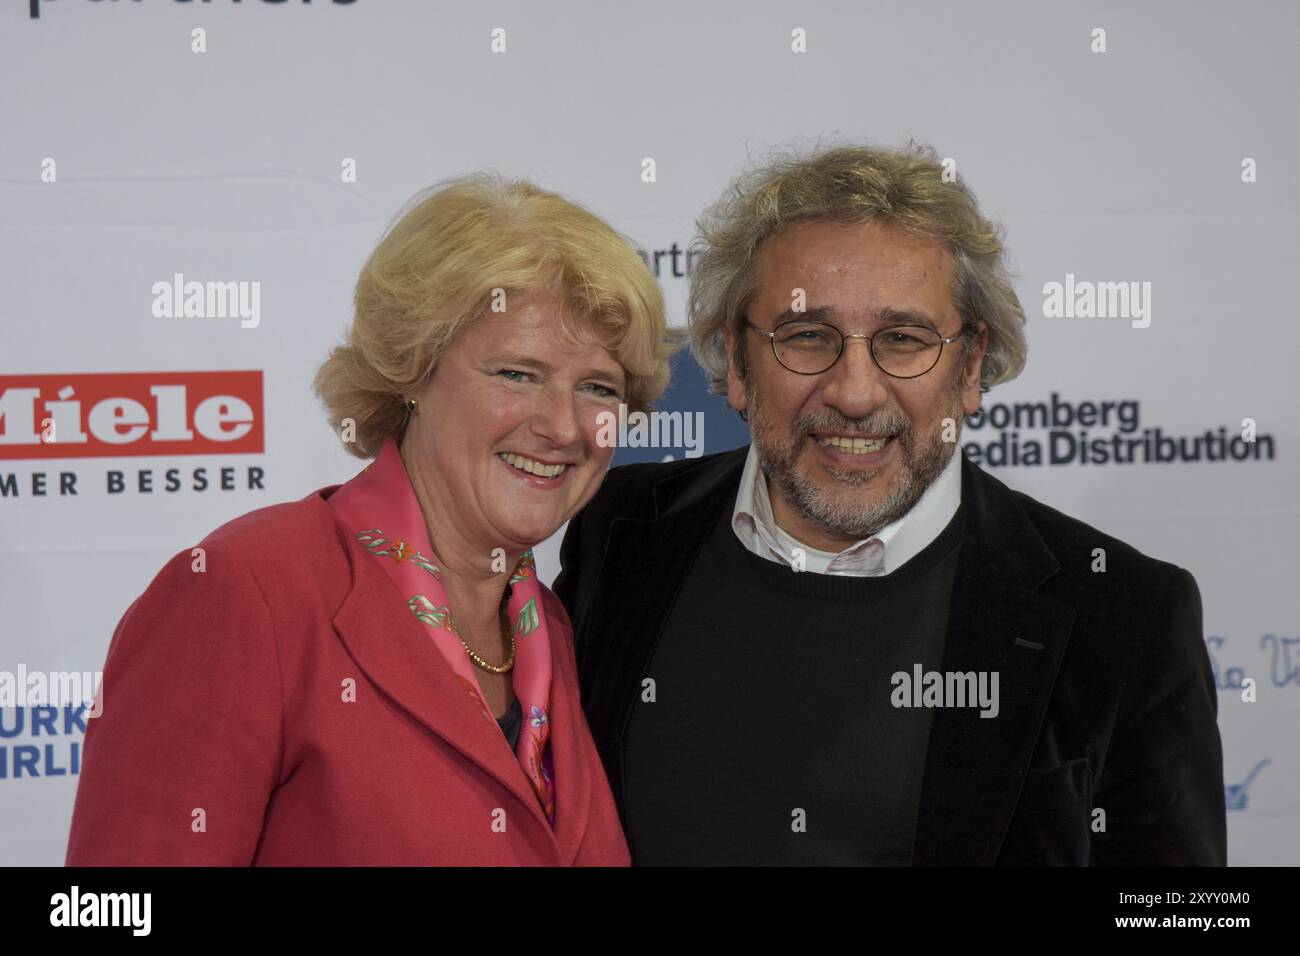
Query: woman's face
504, 436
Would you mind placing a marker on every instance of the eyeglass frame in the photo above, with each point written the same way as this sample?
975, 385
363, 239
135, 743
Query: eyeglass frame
871, 344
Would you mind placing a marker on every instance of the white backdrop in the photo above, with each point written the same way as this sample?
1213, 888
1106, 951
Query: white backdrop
128, 158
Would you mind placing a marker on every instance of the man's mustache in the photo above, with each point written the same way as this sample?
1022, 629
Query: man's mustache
881, 422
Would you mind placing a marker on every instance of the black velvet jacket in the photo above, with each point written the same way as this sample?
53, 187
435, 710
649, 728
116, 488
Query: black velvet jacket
1108, 701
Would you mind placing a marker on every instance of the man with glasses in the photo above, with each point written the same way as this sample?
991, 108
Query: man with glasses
845, 644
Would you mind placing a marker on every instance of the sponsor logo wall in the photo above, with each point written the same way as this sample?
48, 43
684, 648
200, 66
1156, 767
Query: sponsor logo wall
182, 229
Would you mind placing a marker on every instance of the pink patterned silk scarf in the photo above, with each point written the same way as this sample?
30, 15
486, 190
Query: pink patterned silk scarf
380, 509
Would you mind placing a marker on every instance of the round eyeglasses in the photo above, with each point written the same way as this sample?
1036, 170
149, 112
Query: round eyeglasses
810, 348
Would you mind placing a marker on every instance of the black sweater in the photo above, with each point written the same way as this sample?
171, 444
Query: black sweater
771, 738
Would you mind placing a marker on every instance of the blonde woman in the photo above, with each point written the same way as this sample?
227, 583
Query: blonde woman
374, 674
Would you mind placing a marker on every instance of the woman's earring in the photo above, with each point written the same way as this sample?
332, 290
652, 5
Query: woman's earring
410, 404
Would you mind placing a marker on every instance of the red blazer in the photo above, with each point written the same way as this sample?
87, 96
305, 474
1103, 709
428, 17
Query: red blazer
226, 737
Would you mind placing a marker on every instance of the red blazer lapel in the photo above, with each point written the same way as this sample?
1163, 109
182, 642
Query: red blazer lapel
393, 651
572, 756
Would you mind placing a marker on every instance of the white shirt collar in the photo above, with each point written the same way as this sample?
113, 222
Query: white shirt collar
886, 552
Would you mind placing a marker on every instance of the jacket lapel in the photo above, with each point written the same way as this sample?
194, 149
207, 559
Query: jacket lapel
657, 551
975, 766
392, 650
572, 773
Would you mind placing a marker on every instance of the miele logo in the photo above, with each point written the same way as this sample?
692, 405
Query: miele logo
115, 414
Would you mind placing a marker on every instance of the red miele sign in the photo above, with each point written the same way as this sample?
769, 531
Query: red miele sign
115, 414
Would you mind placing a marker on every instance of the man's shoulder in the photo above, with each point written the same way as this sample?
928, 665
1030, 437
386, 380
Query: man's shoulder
1082, 549
629, 490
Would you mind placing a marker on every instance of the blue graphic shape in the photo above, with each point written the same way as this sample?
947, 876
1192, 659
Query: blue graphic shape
689, 393
1234, 795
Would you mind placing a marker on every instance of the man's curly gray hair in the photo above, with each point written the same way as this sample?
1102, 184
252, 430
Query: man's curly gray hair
851, 185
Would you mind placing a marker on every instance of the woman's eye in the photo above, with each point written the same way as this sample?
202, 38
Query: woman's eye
510, 373
603, 390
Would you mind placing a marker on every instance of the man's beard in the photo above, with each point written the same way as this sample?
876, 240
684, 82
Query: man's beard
922, 462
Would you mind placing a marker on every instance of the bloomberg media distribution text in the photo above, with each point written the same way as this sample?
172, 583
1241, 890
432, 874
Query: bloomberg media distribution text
1106, 432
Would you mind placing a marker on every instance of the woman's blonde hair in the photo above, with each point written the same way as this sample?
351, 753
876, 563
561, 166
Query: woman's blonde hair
851, 184
456, 247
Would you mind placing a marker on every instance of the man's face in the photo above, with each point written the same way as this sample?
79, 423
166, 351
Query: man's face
865, 277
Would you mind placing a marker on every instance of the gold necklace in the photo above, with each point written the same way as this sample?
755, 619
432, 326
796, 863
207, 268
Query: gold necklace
485, 665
